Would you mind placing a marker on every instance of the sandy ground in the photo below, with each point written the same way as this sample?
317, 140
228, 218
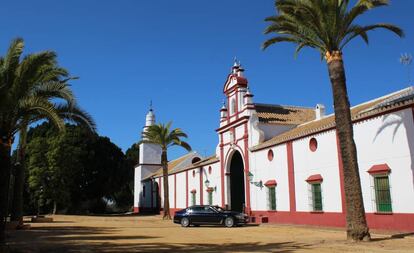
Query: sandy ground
152, 234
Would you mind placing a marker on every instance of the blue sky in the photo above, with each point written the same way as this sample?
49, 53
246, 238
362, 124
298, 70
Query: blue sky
178, 53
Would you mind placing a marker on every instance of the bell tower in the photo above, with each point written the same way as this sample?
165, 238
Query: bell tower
238, 99
149, 161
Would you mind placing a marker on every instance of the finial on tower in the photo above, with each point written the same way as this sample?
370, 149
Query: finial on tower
236, 62
150, 105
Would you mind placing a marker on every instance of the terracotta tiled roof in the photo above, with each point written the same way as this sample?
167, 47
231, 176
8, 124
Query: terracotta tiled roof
379, 105
175, 165
283, 114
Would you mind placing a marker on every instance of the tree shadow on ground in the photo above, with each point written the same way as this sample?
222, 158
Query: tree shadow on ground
393, 237
65, 239
89, 239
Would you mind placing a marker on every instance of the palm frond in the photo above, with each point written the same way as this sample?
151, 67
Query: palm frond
326, 25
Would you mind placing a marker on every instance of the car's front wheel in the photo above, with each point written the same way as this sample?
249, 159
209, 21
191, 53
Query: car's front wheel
185, 222
229, 222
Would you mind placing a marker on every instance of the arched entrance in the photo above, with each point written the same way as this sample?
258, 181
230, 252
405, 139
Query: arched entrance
237, 192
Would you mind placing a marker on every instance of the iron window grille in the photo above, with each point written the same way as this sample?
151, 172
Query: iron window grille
382, 193
271, 198
315, 197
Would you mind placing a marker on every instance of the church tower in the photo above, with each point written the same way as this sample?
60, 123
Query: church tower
238, 97
149, 162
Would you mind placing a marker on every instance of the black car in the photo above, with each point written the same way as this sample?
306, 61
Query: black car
209, 215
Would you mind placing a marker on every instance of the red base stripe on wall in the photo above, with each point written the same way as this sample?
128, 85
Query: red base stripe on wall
395, 221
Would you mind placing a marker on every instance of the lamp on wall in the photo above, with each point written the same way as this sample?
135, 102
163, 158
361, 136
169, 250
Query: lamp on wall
207, 184
258, 183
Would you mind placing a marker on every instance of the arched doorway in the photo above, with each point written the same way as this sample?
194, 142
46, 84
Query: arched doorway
237, 192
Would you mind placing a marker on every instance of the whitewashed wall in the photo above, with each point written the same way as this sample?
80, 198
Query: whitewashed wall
194, 183
388, 139
323, 161
265, 170
181, 194
171, 190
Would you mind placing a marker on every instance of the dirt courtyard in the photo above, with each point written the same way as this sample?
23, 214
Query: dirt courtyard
151, 234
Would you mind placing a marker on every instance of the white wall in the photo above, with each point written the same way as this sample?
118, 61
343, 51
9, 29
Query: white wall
323, 161
388, 139
181, 195
171, 190
265, 170
194, 183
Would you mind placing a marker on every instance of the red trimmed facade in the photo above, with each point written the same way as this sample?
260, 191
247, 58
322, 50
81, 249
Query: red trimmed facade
237, 133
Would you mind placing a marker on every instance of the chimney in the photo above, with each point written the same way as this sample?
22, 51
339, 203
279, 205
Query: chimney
319, 111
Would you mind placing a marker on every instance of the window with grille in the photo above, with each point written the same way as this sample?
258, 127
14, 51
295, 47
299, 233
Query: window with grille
316, 197
271, 198
382, 194
210, 197
193, 198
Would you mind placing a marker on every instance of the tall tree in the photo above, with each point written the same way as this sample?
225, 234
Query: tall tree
55, 87
165, 137
75, 171
328, 26
22, 104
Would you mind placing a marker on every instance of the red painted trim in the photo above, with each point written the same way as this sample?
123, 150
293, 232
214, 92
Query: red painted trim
175, 190
186, 188
341, 174
136, 209
302, 218
291, 177
270, 155
240, 81
394, 221
270, 183
314, 178
379, 169
238, 148
210, 189
247, 168
201, 186
222, 170
235, 123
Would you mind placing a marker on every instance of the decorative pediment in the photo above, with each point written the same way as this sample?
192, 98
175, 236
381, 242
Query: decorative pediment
234, 80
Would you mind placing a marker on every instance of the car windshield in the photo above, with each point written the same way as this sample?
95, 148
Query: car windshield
217, 208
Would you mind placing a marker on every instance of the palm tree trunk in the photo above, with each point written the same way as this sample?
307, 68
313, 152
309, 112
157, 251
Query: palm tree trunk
164, 162
5, 148
357, 228
54, 207
17, 205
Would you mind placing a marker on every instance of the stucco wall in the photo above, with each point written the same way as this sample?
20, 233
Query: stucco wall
388, 139
323, 161
265, 170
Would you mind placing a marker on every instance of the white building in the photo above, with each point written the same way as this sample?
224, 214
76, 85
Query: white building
282, 164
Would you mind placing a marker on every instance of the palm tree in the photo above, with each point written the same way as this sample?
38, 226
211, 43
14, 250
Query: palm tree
328, 26
165, 137
53, 89
23, 85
